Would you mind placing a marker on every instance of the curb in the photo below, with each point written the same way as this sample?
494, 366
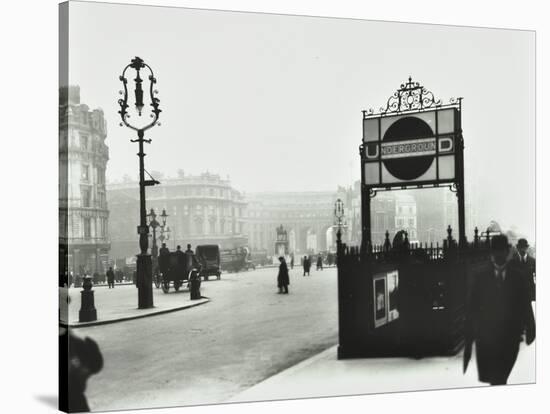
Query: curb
284, 374
202, 301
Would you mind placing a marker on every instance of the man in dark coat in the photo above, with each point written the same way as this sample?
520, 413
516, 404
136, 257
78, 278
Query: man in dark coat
283, 279
528, 264
180, 258
164, 256
111, 278
191, 261
307, 265
320, 262
498, 312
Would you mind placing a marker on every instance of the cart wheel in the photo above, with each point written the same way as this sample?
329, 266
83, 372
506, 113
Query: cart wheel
177, 285
165, 287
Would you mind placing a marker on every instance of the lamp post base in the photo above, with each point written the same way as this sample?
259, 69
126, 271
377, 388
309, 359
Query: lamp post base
144, 281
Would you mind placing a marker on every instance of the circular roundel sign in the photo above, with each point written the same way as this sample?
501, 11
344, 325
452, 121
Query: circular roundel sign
407, 150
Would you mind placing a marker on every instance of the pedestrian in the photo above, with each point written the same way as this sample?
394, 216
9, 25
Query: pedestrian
292, 260
307, 265
283, 279
191, 261
528, 264
119, 275
319, 262
111, 278
498, 313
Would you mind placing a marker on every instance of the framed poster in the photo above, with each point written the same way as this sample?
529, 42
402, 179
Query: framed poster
385, 297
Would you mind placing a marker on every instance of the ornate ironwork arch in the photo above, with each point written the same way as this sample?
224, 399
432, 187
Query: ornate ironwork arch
410, 96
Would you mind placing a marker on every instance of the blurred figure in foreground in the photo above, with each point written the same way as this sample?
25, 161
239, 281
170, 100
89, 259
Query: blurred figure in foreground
528, 264
498, 313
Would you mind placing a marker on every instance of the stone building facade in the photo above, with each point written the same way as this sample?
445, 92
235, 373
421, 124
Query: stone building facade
83, 156
308, 218
202, 209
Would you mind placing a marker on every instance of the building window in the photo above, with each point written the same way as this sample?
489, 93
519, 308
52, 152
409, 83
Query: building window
100, 176
101, 199
85, 172
85, 197
84, 141
104, 227
87, 224
411, 223
212, 192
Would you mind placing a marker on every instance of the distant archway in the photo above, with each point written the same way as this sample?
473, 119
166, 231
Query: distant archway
292, 240
330, 237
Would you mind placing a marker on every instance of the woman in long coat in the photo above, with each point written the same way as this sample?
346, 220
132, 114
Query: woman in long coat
282, 279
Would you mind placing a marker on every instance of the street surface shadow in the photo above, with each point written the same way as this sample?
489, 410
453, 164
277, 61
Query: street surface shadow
49, 400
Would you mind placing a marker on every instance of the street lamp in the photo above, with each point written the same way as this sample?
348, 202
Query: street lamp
154, 224
164, 229
144, 265
339, 215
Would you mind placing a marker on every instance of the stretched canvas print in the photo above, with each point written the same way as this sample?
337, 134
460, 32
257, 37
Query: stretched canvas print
260, 207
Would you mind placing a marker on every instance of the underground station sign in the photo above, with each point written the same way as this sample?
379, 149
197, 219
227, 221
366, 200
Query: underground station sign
412, 148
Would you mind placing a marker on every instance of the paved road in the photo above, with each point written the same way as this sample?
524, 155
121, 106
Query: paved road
212, 352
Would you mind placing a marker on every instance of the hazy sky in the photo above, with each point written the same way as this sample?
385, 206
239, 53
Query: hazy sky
275, 101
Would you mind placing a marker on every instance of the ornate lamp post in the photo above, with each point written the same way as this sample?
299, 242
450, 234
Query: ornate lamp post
339, 215
164, 229
154, 224
144, 265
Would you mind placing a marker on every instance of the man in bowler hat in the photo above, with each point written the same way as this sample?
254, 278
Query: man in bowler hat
498, 313
528, 264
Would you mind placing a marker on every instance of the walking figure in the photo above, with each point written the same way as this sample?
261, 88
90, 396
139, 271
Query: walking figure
498, 313
320, 262
283, 279
111, 278
528, 264
307, 265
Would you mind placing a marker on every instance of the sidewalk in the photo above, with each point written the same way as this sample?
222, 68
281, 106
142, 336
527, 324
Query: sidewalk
323, 375
120, 304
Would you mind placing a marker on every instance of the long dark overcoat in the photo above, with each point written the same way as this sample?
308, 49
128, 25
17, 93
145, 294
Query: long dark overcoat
498, 312
283, 278
110, 276
529, 270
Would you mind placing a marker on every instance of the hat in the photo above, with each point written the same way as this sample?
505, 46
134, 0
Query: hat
499, 242
87, 351
522, 243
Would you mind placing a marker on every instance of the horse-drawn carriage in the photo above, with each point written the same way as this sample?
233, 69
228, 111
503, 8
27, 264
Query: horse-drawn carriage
176, 268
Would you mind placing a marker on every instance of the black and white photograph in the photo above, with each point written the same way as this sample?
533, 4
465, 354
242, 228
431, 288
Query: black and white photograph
284, 207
